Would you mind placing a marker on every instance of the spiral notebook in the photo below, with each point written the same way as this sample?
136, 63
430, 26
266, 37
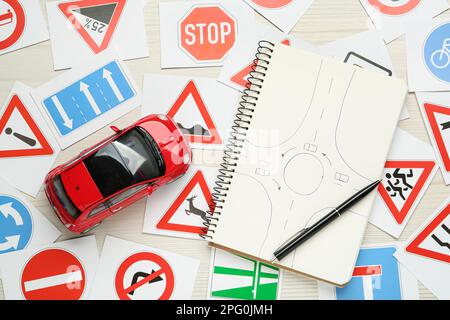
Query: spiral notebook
310, 132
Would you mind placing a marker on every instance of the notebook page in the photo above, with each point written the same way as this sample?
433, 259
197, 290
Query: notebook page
320, 132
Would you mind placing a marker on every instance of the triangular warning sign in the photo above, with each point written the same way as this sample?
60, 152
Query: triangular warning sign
19, 134
439, 119
95, 20
402, 183
434, 241
188, 201
197, 133
240, 78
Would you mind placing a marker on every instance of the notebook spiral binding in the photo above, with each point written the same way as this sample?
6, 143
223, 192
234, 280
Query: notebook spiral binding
237, 135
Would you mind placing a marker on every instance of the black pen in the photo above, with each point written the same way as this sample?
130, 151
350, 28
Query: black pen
307, 233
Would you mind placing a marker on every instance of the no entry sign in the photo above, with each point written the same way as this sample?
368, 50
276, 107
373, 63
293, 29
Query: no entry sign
144, 275
53, 274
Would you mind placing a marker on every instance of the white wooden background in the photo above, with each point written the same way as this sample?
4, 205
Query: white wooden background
325, 21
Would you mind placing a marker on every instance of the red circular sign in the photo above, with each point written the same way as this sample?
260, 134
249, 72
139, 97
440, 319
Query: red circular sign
53, 274
17, 16
394, 9
132, 265
207, 33
271, 4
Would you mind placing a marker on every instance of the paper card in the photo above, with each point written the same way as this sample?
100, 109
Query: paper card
428, 55
82, 28
284, 14
201, 33
27, 146
203, 108
427, 254
21, 25
390, 17
366, 50
435, 108
183, 208
377, 276
61, 271
237, 66
81, 101
237, 277
409, 171
131, 271
22, 226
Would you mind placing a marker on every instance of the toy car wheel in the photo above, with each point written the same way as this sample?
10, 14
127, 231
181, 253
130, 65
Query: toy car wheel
91, 228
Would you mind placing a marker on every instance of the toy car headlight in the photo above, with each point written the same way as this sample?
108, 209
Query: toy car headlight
162, 117
186, 158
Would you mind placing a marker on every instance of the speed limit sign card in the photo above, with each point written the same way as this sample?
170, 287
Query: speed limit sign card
131, 271
61, 271
82, 28
202, 33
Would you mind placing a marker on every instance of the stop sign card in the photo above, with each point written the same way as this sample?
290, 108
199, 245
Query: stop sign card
22, 226
61, 271
390, 17
183, 208
426, 254
408, 172
82, 28
202, 33
435, 108
284, 14
203, 109
131, 271
238, 64
27, 146
428, 55
22, 24
377, 276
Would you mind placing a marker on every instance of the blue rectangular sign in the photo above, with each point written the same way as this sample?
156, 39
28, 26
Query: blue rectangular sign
89, 98
384, 284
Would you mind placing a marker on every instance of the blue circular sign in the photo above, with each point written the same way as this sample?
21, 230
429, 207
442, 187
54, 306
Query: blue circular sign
16, 225
437, 52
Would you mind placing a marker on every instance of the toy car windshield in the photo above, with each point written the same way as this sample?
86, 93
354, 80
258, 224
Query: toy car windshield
132, 158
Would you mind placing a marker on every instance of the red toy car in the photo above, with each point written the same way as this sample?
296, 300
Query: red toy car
117, 172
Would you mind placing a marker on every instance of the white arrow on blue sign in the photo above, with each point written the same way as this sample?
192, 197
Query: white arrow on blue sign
89, 98
16, 225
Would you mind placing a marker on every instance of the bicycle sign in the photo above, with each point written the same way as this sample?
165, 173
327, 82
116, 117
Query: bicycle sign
437, 52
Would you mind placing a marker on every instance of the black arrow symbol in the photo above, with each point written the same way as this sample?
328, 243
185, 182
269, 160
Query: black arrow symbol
445, 125
139, 275
27, 140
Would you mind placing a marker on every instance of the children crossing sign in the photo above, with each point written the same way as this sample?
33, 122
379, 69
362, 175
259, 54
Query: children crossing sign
236, 277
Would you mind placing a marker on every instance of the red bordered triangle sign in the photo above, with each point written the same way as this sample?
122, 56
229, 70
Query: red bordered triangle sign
196, 134
95, 20
396, 181
190, 207
438, 128
240, 78
434, 241
20, 144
